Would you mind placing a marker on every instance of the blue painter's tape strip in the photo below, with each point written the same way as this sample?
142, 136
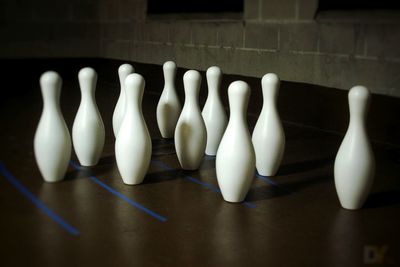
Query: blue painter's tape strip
206, 185
271, 182
162, 165
197, 181
121, 196
32, 198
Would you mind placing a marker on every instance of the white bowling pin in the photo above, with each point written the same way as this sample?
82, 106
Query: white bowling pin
213, 113
52, 141
169, 107
190, 132
355, 163
268, 135
235, 162
88, 129
133, 144
123, 71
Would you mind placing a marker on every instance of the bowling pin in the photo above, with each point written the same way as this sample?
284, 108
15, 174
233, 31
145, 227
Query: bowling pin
52, 141
235, 162
168, 108
190, 132
355, 163
123, 71
268, 135
133, 143
88, 129
213, 113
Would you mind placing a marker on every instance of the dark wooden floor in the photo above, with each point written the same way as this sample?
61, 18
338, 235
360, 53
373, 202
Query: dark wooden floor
178, 218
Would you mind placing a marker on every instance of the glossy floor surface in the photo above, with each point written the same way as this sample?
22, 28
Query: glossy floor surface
178, 218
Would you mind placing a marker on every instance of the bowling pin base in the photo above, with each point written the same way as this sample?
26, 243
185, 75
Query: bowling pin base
167, 136
132, 184
234, 200
351, 206
89, 164
266, 174
186, 168
53, 181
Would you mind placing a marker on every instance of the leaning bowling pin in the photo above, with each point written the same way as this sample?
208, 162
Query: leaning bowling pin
123, 71
52, 141
169, 107
213, 113
355, 163
235, 162
88, 129
268, 135
190, 132
133, 143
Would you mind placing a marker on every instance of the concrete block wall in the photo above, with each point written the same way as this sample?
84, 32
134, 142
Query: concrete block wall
288, 37
46, 28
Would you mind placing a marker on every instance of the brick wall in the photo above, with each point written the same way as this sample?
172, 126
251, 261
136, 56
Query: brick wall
288, 37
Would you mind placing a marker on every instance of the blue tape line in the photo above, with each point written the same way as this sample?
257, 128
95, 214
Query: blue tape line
32, 198
206, 185
271, 182
121, 196
197, 181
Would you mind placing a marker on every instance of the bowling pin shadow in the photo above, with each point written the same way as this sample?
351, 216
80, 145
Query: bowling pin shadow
106, 165
307, 182
163, 146
77, 174
266, 192
162, 142
304, 166
383, 199
110, 159
283, 189
163, 176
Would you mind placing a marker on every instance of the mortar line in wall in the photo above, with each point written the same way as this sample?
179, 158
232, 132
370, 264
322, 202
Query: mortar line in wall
258, 49
259, 9
342, 55
282, 21
296, 7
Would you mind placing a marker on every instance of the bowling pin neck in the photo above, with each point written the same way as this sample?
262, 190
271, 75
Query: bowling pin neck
191, 100
169, 77
123, 71
213, 91
50, 84
134, 89
51, 95
214, 76
270, 94
191, 84
88, 92
358, 104
238, 94
134, 99
270, 88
